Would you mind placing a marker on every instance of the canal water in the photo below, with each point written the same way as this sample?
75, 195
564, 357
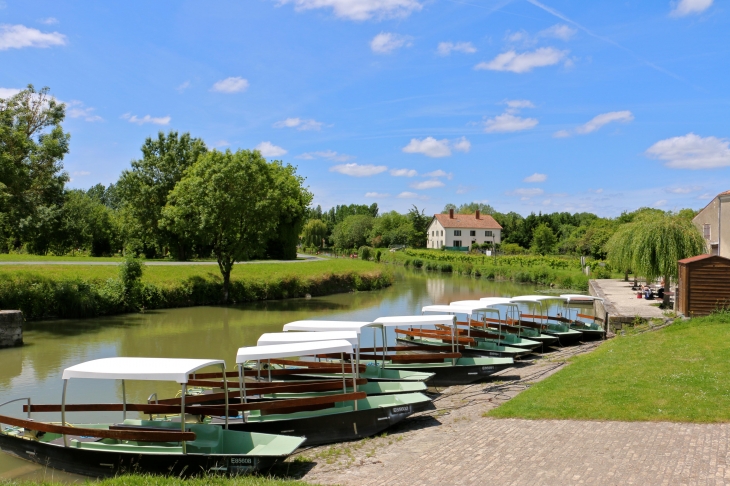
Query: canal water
34, 370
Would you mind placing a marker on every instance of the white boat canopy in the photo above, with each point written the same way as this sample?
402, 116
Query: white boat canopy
497, 301
536, 299
443, 308
159, 369
579, 297
396, 321
292, 349
271, 338
327, 326
473, 306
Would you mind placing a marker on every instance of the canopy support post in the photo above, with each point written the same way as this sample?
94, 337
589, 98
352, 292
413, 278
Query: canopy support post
342, 362
356, 370
354, 377
182, 413
225, 389
63, 411
124, 402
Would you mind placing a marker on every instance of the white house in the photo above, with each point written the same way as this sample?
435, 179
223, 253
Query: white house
463, 230
714, 223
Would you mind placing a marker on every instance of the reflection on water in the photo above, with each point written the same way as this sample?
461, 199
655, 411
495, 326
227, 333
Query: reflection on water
196, 332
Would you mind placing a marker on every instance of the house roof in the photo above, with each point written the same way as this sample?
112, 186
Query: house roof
485, 221
699, 257
726, 193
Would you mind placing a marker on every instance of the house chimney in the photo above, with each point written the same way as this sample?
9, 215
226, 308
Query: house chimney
477, 214
451, 214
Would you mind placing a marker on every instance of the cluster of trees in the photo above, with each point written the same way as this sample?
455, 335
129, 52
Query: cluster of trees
561, 232
179, 200
358, 224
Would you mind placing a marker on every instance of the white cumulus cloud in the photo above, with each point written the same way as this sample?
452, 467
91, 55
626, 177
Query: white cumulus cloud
162, 120
525, 62
517, 104
357, 170
19, 36
403, 172
558, 31
507, 122
692, 152
536, 177
439, 173
49, 21
230, 85
527, 193
6, 93
76, 109
360, 9
379, 195
299, 124
688, 7
326, 154
386, 42
427, 184
431, 147
597, 122
409, 195
461, 145
268, 149
446, 48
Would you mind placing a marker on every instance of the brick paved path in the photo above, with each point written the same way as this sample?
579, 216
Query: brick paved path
457, 445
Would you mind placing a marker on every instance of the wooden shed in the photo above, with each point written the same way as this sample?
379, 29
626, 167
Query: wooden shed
704, 285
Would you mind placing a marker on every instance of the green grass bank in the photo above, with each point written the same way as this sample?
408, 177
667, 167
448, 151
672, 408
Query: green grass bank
560, 272
77, 291
679, 373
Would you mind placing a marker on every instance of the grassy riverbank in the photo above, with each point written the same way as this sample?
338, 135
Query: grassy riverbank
75, 291
679, 373
561, 272
147, 480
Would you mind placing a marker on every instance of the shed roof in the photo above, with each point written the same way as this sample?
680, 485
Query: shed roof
485, 221
700, 257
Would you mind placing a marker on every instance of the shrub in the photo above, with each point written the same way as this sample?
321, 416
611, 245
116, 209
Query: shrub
365, 252
378, 254
446, 268
417, 262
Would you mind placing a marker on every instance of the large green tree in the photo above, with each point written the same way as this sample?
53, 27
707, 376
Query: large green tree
314, 233
144, 190
353, 231
420, 222
391, 228
652, 244
227, 201
32, 147
543, 240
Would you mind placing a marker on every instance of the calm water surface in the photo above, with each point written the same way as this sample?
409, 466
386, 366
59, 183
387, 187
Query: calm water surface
34, 370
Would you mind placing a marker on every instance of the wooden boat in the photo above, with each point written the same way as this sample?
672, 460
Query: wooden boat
373, 372
542, 321
511, 322
447, 368
591, 326
145, 446
469, 343
321, 419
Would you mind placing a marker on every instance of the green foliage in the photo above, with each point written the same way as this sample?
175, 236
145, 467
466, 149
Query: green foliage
420, 223
365, 253
543, 240
353, 231
391, 228
378, 254
469, 208
512, 249
314, 232
417, 263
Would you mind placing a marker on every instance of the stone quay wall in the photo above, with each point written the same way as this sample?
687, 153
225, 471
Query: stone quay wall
11, 328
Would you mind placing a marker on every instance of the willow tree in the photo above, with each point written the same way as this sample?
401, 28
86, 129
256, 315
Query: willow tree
652, 246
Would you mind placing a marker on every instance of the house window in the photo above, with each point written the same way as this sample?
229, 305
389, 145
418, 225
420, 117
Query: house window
472, 233
457, 242
706, 231
457, 233
442, 232
487, 233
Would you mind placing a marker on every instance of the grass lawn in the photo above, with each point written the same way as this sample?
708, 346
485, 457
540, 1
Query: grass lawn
679, 373
172, 274
147, 480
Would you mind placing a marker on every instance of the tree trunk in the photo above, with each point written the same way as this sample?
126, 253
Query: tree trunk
226, 285
667, 286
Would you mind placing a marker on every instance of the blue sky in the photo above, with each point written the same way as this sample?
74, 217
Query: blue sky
528, 105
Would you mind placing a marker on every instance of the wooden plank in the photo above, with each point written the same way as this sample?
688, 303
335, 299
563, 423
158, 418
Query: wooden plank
111, 433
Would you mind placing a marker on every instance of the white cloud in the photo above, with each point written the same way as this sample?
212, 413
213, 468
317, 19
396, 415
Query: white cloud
439, 173
385, 42
429, 147
600, 120
409, 195
660, 203
221, 143
6, 93
360, 9
507, 122
230, 85
81, 173
49, 21
403, 172
547, 202
535, 178
692, 152
379, 195
446, 48
163, 120
527, 192
687, 7
299, 124
357, 170
524, 62
684, 190
268, 149
76, 109
558, 31
19, 36
463, 189
427, 184
326, 154
462, 145
183, 86
561, 134
517, 104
